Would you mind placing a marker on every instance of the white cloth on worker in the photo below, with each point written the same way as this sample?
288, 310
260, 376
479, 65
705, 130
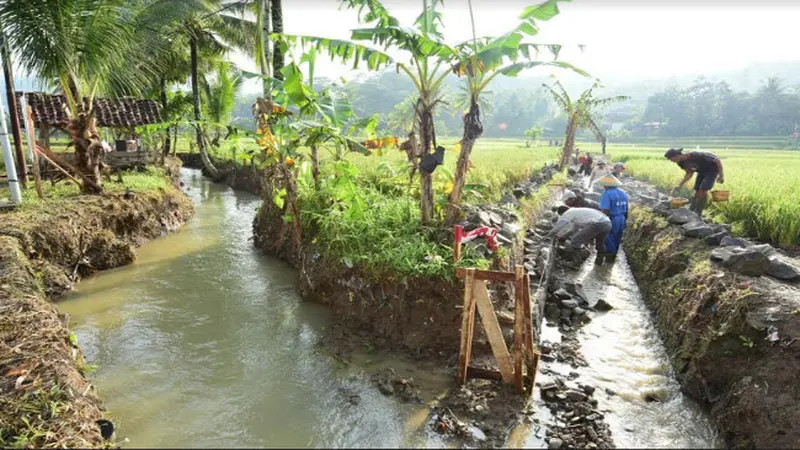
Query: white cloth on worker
568, 195
574, 219
106, 147
597, 173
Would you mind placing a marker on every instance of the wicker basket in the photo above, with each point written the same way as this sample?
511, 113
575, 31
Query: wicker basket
678, 202
720, 196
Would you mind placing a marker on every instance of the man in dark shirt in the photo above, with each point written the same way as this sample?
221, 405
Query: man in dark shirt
708, 168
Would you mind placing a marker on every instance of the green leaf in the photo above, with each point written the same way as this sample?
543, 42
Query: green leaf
544, 11
288, 218
279, 197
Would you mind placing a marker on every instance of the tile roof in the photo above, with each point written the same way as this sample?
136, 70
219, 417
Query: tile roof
50, 109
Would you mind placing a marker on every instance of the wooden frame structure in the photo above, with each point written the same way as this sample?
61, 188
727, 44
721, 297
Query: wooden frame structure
519, 370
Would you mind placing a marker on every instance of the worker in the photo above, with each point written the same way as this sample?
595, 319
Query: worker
617, 170
614, 203
576, 199
586, 164
598, 172
708, 168
579, 226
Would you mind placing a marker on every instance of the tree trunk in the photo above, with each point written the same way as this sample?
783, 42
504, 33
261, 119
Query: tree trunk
315, 165
603, 141
165, 146
22, 168
88, 150
473, 128
426, 179
201, 143
569, 142
277, 27
266, 58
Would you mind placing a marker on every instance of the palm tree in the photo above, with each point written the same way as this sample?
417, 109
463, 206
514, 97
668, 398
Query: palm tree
481, 61
220, 98
579, 113
89, 46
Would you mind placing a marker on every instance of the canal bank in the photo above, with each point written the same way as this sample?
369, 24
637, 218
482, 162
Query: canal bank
45, 398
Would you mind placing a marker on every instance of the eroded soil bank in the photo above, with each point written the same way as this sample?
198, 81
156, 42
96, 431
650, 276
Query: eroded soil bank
45, 399
730, 336
420, 317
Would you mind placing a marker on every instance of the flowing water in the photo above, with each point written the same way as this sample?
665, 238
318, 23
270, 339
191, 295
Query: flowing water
628, 364
204, 343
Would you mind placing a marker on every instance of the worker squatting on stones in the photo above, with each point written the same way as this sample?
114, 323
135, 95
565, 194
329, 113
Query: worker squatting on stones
604, 224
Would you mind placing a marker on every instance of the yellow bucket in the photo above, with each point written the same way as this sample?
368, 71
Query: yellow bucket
720, 196
678, 202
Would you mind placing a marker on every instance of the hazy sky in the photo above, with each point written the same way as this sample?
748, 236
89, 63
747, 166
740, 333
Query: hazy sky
624, 38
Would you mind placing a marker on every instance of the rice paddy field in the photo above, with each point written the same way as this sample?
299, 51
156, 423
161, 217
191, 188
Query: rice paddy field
764, 187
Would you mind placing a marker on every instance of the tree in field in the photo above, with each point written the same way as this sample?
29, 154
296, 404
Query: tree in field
481, 61
91, 47
579, 113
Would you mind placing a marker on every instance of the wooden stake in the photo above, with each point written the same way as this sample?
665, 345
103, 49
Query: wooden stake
31, 143
493, 331
467, 321
519, 327
531, 355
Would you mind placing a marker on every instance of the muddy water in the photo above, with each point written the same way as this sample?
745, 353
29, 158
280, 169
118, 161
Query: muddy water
204, 343
629, 366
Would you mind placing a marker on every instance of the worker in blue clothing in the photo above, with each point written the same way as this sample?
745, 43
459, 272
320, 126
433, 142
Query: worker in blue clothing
613, 202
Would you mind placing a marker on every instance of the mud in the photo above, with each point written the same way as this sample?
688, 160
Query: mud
731, 337
45, 398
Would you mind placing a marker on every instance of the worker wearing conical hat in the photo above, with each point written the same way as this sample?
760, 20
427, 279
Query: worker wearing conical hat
613, 202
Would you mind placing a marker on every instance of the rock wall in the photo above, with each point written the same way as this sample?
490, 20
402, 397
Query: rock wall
45, 399
730, 336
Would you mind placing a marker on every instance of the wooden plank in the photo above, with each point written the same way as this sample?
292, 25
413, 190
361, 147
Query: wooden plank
531, 354
493, 331
467, 321
489, 275
519, 327
31, 143
485, 374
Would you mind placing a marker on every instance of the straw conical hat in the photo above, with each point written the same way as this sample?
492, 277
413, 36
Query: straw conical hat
609, 181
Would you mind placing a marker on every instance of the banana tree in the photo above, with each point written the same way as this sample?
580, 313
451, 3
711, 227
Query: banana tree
423, 46
320, 119
481, 61
579, 113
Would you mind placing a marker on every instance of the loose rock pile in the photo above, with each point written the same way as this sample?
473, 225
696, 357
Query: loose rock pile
503, 216
578, 422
